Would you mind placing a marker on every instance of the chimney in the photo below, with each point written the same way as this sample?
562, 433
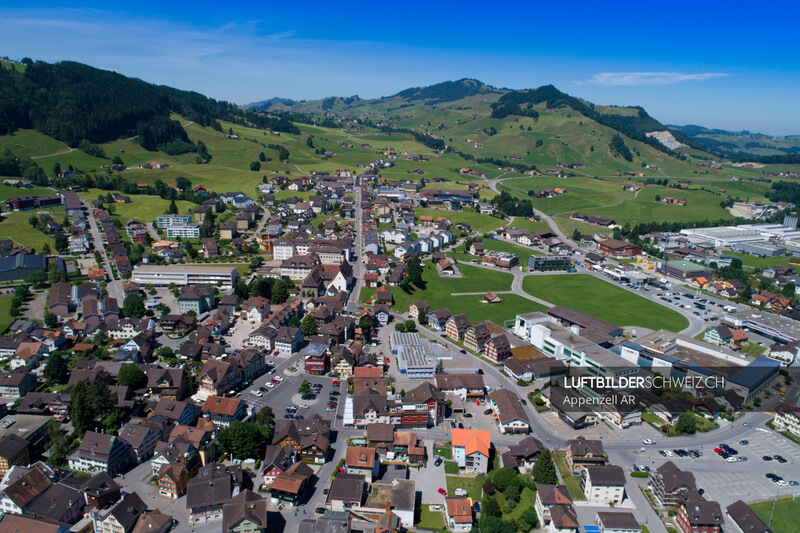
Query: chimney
388, 507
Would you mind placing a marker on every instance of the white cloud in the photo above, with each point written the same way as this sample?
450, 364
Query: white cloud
651, 78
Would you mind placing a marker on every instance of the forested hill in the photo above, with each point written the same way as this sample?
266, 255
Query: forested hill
448, 91
634, 125
73, 102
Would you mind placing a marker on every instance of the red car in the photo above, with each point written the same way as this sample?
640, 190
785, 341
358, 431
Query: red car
336, 382
275, 381
718, 450
442, 492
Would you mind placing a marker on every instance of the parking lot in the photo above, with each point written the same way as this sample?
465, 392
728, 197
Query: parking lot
727, 482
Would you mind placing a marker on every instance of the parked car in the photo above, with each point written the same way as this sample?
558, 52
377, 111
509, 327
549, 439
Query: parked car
779, 458
649, 442
766, 458
438, 461
487, 412
442, 491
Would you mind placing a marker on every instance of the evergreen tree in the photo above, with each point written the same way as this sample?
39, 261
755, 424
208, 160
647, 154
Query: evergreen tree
172, 209
81, 410
544, 470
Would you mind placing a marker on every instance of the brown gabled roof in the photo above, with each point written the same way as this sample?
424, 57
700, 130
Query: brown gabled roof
360, 457
219, 405
553, 494
460, 509
245, 506
28, 487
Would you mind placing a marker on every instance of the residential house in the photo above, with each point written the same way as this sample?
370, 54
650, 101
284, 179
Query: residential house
122, 517
218, 377
497, 348
222, 411
364, 461
213, 487
437, 320
141, 438
548, 497
510, 414
699, 516
346, 492
669, 484
246, 512
476, 337
459, 514
98, 451
604, 483
471, 449
582, 452
172, 481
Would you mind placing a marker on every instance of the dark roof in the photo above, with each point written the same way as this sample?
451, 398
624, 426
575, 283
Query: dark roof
55, 502
606, 475
621, 520
380, 433
99, 485
583, 447
11, 445
508, 406
455, 381
128, 510
702, 512
746, 519
212, 486
347, 487
756, 373
247, 505
553, 494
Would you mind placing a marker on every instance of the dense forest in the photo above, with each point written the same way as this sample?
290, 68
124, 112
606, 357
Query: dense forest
448, 91
73, 102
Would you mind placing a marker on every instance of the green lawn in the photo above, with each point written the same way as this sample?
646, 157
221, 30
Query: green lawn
473, 485
784, 519
760, 262
477, 221
5, 318
15, 226
450, 467
7, 192
475, 279
572, 483
444, 451
430, 519
591, 295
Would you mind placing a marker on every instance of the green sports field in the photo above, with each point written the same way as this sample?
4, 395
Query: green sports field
603, 300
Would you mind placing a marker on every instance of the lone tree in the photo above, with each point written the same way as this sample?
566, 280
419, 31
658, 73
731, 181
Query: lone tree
305, 389
131, 376
544, 470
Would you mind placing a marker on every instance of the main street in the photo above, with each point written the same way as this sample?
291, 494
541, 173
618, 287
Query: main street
98, 239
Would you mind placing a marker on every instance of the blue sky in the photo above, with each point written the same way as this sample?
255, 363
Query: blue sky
728, 65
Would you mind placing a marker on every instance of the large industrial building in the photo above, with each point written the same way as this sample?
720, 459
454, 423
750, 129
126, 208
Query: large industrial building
161, 275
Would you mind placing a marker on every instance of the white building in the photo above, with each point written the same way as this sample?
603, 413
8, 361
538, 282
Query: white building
163, 275
185, 232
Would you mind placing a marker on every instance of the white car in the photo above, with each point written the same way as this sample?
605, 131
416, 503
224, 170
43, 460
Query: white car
782, 483
648, 442
270, 384
279, 378
257, 393
304, 406
271, 362
732, 459
668, 453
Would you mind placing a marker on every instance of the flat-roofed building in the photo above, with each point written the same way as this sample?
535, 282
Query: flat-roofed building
162, 275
